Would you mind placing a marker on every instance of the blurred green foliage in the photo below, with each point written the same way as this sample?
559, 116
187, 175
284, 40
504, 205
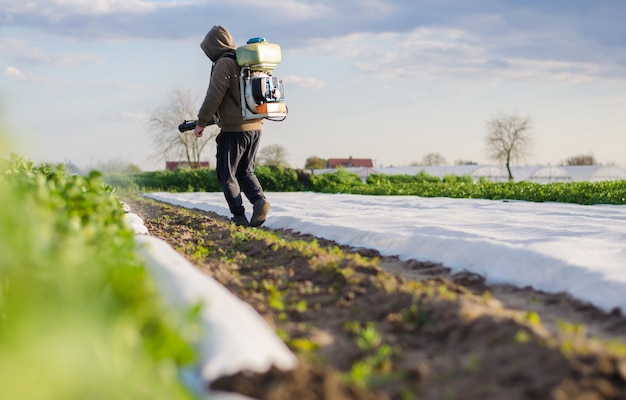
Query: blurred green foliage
79, 317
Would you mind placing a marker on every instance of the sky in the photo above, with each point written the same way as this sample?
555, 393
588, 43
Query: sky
390, 80
552, 247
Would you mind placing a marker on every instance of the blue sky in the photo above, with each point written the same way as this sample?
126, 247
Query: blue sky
381, 79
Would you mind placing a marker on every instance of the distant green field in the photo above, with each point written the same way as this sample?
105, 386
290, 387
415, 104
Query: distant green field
288, 180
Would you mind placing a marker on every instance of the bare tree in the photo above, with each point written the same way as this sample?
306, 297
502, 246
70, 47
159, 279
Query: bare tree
509, 138
274, 154
433, 159
429, 159
582, 159
170, 143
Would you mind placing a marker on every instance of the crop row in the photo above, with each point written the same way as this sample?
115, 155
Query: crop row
79, 316
289, 180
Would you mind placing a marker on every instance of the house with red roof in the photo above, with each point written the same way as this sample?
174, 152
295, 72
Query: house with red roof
350, 162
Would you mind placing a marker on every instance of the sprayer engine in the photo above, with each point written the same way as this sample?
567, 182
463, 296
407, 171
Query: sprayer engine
264, 89
264, 96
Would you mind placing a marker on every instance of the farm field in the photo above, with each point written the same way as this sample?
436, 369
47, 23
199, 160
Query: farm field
370, 326
551, 246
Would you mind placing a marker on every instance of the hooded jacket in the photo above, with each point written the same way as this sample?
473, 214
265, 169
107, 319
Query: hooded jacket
224, 78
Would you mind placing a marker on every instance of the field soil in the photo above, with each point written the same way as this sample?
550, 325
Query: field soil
365, 326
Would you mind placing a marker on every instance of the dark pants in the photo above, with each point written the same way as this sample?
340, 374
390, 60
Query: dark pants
236, 153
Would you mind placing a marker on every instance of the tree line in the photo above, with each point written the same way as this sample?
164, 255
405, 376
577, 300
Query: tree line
508, 139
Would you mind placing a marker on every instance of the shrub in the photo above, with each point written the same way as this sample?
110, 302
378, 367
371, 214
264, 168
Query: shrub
277, 178
340, 181
281, 179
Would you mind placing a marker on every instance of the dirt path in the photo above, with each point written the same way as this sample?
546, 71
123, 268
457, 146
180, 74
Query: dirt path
371, 327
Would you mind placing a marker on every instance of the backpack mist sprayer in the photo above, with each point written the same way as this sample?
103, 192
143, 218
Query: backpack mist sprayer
261, 94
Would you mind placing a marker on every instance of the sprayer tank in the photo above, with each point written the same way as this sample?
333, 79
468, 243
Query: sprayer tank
259, 54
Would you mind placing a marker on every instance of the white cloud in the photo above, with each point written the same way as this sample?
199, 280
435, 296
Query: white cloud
14, 72
25, 52
305, 82
38, 56
295, 9
57, 9
573, 72
431, 53
377, 7
31, 79
386, 44
505, 29
23, 77
447, 39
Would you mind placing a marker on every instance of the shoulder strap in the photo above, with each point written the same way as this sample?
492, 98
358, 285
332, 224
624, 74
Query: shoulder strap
233, 56
230, 54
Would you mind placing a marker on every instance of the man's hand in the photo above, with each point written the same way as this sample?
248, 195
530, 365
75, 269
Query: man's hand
198, 130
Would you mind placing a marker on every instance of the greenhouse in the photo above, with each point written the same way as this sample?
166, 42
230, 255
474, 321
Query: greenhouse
540, 174
595, 173
495, 173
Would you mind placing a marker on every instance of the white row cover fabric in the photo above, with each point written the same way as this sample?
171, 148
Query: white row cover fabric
235, 337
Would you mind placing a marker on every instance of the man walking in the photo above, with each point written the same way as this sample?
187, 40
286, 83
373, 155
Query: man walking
238, 140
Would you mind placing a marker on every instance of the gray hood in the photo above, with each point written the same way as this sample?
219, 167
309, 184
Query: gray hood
217, 42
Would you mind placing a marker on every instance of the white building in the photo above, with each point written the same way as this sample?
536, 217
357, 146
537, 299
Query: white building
595, 173
494, 173
540, 174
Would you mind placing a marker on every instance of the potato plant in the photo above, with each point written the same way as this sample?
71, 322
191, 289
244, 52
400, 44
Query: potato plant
79, 317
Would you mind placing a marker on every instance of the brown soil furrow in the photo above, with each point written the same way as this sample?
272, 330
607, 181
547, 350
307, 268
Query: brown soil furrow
365, 326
